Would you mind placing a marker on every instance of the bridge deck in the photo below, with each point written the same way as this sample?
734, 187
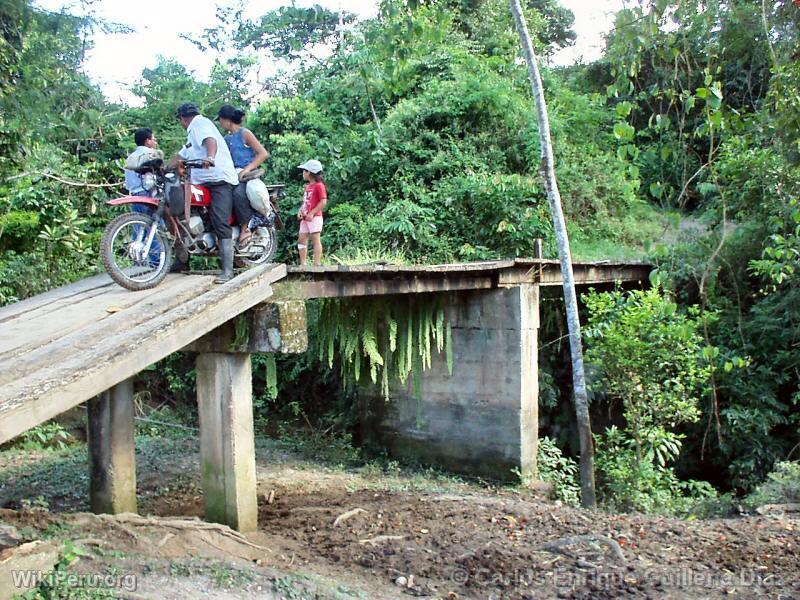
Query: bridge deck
377, 279
64, 347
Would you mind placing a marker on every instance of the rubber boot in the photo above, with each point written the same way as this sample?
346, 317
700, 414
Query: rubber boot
226, 253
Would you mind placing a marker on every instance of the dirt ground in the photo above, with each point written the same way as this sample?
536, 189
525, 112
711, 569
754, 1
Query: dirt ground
398, 534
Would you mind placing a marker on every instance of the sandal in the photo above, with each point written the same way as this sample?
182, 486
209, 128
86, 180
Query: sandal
245, 240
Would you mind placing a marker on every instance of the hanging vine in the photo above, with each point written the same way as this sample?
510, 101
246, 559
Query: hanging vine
389, 338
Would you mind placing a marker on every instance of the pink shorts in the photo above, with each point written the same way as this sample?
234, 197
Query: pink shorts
312, 226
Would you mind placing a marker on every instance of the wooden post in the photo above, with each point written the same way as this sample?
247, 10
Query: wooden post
112, 451
538, 248
227, 446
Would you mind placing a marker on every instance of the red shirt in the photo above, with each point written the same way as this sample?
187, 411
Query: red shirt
315, 193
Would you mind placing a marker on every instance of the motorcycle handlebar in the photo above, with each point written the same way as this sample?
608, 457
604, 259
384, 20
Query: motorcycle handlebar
194, 163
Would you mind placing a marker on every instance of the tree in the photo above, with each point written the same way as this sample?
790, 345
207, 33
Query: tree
11, 17
570, 298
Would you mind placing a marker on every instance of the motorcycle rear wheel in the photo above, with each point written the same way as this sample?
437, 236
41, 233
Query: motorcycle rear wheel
120, 249
264, 246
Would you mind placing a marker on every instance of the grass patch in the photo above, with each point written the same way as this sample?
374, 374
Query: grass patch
634, 236
782, 486
58, 480
359, 255
221, 573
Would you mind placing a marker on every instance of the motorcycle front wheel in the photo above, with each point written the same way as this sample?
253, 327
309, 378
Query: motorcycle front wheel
122, 251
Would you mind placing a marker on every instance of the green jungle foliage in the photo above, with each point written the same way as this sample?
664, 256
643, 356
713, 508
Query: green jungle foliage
424, 121
394, 338
648, 357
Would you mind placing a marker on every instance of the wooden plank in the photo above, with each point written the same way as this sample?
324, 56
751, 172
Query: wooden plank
86, 373
74, 289
490, 265
549, 273
54, 320
341, 288
596, 274
45, 353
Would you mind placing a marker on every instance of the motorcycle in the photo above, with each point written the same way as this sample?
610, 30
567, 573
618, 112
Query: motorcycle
137, 248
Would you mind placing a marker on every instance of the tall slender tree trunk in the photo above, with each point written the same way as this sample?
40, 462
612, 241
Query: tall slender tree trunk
547, 169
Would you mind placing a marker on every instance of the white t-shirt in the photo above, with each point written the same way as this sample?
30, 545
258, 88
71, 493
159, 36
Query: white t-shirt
202, 128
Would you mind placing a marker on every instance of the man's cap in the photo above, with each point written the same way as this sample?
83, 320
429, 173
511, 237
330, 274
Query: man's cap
312, 166
188, 109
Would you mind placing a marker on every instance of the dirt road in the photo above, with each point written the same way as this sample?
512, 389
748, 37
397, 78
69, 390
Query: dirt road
332, 532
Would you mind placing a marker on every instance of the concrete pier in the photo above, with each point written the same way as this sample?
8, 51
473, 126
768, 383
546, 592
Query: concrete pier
484, 419
112, 450
227, 445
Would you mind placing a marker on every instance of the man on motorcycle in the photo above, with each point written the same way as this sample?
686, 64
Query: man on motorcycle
204, 142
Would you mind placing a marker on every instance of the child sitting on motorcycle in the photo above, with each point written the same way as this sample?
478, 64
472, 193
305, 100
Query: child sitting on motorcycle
135, 183
146, 144
248, 154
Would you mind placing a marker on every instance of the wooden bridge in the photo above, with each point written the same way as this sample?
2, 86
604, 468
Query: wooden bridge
85, 342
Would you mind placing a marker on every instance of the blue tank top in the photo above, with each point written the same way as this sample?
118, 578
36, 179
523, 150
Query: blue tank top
242, 154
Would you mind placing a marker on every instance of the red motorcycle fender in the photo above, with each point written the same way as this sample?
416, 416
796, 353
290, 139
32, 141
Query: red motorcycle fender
133, 200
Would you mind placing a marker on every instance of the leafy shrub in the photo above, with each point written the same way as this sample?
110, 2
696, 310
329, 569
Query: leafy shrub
46, 435
501, 213
558, 470
629, 484
648, 357
18, 230
782, 486
278, 116
24, 275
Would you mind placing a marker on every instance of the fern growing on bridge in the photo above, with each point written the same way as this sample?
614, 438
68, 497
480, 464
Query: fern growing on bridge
389, 337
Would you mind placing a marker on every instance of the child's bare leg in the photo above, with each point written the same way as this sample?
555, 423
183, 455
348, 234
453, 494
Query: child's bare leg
315, 237
302, 248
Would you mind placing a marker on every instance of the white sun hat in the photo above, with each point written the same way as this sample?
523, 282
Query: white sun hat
312, 166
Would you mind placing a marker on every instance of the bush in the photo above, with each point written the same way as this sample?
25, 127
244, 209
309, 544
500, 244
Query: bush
47, 435
18, 230
781, 487
648, 358
502, 213
627, 483
560, 471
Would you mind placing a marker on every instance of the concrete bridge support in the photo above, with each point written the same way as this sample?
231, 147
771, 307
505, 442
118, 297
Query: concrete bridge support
225, 405
112, 452
227, 446
484, 419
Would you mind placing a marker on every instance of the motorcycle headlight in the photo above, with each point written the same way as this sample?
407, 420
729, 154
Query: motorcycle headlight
149, 181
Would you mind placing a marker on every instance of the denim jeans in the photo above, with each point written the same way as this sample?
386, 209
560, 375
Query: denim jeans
146, 209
